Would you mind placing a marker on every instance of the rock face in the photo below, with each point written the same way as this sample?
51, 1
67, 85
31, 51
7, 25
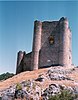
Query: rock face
33, 89
57, 74
51, 46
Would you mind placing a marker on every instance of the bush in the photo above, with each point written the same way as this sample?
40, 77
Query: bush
65, 95
18, 86
5, 76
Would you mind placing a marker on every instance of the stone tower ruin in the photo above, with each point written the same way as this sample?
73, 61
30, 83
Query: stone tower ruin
51, 46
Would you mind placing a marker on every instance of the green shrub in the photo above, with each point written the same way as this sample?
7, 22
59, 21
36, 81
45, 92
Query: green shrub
64, 95
18, 86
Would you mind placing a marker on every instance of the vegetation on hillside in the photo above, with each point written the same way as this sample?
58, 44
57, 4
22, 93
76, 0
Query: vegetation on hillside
5, 76
64, 95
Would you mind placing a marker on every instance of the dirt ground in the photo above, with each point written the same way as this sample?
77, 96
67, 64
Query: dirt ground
34, 74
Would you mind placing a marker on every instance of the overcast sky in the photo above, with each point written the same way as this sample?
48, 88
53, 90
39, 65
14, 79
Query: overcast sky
17, 22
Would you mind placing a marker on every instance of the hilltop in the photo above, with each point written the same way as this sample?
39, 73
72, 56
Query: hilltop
43, 79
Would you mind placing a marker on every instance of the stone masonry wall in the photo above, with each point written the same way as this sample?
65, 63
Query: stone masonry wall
65, 44
51, 46
49, 52
19, 59
36, 45
25, 63
58, 53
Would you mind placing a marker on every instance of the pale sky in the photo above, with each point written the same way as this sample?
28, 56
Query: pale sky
17, 22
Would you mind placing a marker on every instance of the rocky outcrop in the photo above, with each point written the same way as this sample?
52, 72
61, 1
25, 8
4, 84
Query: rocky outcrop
33, 89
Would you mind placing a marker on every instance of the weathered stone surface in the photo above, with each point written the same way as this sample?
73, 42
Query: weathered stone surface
58, 74
51, 46
34, 88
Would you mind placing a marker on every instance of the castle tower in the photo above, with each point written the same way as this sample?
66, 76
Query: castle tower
36, 45
65, 57
19, 58
51, 46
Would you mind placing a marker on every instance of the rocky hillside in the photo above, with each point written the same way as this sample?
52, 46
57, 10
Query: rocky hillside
40, 84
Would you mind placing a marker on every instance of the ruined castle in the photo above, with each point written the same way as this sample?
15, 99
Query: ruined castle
51, 46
